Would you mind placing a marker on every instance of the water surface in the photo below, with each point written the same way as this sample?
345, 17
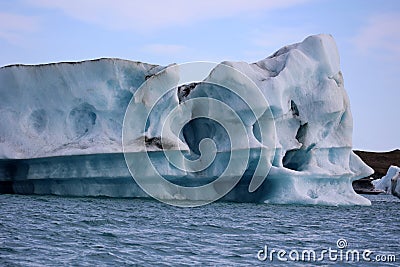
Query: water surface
64, 231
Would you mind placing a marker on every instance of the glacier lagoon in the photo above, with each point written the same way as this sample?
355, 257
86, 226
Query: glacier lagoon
81, 231
275, 131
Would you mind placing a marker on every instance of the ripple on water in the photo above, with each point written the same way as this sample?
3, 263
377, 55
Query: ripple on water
123, 232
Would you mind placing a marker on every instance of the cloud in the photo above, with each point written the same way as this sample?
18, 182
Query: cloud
278, 37
156, 14
381, 34
164, 48
14, 27
267, 40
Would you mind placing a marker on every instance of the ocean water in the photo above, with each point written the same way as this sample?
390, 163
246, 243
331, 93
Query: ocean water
64, 231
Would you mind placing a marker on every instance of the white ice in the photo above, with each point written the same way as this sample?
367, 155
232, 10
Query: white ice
390, 183
78, 108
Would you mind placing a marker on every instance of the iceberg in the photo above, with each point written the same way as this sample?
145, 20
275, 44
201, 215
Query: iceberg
390, 183
275, 131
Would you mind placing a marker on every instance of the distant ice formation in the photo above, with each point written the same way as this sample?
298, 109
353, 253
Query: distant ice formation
292, 108
390, 183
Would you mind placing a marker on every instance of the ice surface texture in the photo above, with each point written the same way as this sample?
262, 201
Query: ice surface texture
302, 131
66, 108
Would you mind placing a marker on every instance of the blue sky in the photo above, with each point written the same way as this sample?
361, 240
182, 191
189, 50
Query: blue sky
367, 34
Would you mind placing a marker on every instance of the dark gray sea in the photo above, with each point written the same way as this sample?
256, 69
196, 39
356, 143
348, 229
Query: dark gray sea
64, 231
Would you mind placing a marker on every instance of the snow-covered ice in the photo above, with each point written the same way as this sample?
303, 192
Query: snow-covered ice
290, 115
390, 183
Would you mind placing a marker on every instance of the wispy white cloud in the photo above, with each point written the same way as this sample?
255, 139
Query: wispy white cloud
279, 36
14, 27
267, 40
156, 14
380, 35
164, 49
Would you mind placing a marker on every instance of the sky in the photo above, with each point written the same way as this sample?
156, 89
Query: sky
367, 33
